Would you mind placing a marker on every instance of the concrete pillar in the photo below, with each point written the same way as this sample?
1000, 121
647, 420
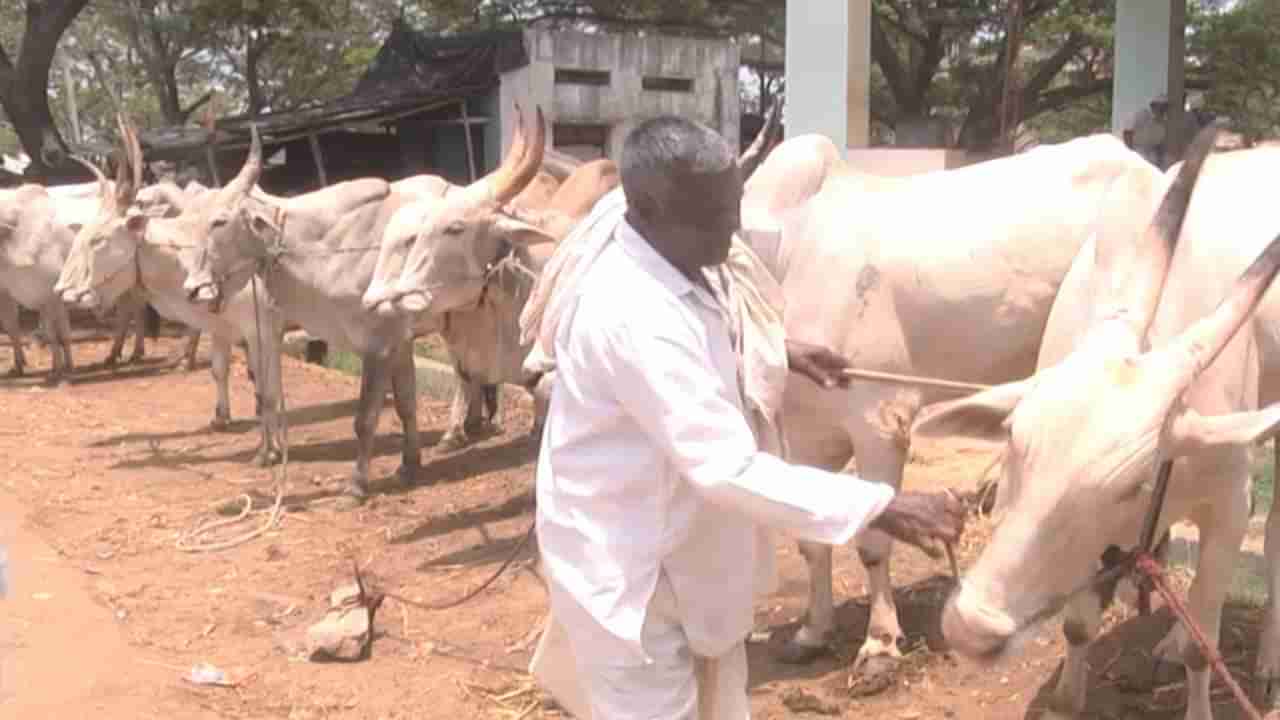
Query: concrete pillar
1149, 50
829, 70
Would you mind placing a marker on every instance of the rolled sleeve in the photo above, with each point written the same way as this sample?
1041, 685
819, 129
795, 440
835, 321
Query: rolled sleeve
665, 381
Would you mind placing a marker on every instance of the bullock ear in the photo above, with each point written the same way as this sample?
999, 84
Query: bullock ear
137, 222
521, 233
1191, 432
978, 417
262, 225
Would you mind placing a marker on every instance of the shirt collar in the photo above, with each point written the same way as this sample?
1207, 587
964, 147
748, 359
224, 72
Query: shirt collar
639, 250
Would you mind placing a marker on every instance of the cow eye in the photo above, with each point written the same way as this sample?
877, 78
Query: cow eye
218, 222
455, 228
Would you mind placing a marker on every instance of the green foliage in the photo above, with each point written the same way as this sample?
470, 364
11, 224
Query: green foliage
1237, 52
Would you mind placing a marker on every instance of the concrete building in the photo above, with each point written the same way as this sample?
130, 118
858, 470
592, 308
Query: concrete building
444, 104
595, 87
828, 70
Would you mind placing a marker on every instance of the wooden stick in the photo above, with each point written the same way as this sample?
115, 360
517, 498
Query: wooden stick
885, 377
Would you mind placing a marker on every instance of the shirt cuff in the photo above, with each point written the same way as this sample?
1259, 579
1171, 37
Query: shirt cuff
864, 506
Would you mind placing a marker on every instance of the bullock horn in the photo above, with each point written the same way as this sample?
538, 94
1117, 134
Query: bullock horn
501, 175
104, 187
527, 167
129, 172
1200, 344
1134, 272
763, 142
243, 182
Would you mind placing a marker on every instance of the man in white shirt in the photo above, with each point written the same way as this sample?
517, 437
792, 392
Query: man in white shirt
652, 494
1145, 130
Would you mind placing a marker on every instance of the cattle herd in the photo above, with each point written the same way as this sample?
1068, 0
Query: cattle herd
1119, 315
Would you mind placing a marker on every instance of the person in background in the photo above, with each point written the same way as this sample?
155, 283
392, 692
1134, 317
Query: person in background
1145, 131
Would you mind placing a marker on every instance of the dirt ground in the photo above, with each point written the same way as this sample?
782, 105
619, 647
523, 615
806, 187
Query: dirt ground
106, 615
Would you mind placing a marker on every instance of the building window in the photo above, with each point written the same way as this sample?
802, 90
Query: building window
585, 142
566, 76
667, 84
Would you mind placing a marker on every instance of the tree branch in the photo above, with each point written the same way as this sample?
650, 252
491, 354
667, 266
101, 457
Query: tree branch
884, 54
1058, 98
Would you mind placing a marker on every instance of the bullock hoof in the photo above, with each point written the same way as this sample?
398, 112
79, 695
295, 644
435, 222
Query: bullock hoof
873, 674
354, 495
220, 422
452, 441
266, 457
348, 501
15, 372
191, 364
111, 362
794, 653
407, 475
136, 359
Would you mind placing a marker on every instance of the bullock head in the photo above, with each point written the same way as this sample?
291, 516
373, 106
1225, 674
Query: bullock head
103, 262
1083, 438
442, 264
230, 234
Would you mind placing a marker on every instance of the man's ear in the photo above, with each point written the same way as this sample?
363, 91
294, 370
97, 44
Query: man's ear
978, 417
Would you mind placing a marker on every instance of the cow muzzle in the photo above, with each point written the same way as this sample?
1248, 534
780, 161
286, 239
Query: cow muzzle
974, 630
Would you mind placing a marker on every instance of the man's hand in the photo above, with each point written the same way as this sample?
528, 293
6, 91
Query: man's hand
918, 519
818, 364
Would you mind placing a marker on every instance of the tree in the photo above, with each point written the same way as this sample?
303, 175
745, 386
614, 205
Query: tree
1235, 53
24, 82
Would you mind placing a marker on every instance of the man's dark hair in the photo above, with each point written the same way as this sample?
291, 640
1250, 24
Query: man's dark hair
664, 145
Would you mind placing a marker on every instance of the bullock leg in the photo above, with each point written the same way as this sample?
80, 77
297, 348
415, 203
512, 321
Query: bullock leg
125, 315
193, 343
465, 414
1083, 619
59, 328
375, 372
10, 320
1222, 527
268, 388
404, 386
828, 448
1267, 668
219, 368
540, 389
881, 460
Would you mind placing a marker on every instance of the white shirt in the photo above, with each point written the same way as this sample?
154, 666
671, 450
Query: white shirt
648, 465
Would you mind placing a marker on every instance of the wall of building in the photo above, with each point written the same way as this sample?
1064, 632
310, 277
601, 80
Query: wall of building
589, 83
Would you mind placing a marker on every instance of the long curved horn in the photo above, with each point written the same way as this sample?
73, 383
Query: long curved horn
129, 173
528, 167
1134, 272
243, 182
763, 142
500, 175
104, 188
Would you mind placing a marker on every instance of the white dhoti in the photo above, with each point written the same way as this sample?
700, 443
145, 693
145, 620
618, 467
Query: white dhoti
676, 685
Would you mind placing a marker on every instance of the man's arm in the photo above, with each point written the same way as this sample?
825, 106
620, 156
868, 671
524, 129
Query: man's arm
664, 380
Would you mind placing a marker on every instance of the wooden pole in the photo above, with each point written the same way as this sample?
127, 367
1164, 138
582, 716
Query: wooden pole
894, 378
466, 131
319, 159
